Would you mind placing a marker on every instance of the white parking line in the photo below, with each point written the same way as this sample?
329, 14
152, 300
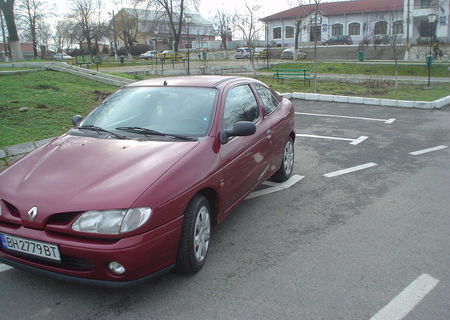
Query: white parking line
352, 141
387, 121
4, 267
402, 304
416, 153
277, 187
348, 170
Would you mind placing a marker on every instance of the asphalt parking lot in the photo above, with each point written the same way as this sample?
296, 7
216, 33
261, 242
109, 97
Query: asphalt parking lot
361, 233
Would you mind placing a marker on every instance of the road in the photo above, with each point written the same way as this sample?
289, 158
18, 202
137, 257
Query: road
364, 235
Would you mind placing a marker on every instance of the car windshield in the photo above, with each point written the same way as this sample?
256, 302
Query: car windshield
186, 111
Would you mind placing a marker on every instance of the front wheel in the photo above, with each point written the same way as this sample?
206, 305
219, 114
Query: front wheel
287, 163
194, 240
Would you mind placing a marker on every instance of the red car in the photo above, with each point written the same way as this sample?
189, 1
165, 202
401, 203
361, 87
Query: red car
133, 190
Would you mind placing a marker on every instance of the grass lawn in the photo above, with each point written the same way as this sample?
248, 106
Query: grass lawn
438, 70
51, 98
374, 89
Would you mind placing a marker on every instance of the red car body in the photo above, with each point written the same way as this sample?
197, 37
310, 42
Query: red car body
73, 174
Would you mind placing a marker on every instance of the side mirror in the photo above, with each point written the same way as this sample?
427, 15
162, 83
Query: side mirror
240, 128
76, 120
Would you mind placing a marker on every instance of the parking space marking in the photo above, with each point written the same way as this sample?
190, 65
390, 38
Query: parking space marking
387, 121
416, 153
349, 170
277, 187
406, 300
352, 141
4, 267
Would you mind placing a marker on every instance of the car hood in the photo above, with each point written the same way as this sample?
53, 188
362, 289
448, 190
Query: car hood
75, 173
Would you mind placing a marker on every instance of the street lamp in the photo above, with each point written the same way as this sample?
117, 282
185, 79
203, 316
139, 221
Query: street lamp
188, 21
114, 32
156, 46
432, 20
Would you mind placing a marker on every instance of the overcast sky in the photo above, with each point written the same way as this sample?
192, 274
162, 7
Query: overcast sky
207, 7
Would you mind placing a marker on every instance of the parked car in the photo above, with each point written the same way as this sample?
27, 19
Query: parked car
148, 55
170, 55
341, 39
261, 53
242, 53
288, 53
133, 190
62, 57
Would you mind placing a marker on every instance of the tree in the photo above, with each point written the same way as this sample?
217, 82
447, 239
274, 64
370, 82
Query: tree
175, 11
248, 24
127, 26
83, 13
7, 7
32, 13
314, 4
63, 37
223, 23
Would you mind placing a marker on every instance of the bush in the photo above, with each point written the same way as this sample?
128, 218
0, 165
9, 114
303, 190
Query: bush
139, 48
105, 50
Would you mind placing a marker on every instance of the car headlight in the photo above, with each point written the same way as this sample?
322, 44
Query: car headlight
112, 221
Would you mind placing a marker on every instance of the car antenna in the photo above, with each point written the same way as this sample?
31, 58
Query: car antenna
165, 83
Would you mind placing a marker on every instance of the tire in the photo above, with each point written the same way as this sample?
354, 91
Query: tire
195, 236
287, 163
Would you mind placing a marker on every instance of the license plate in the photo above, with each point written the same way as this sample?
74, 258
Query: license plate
31, 247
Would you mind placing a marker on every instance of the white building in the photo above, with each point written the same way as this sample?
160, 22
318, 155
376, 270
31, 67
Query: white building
363, 20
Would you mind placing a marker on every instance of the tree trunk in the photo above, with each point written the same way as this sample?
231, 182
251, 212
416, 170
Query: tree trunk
8, 13
16, 50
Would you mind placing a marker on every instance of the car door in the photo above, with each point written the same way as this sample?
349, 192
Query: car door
245, 159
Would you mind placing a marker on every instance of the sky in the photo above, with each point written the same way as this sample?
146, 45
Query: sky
207, 8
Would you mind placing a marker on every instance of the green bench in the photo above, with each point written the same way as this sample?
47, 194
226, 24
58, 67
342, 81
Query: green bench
88, 60
300, 74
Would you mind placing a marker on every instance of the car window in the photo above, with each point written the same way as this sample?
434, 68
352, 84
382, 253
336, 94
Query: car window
240, 105
270, 101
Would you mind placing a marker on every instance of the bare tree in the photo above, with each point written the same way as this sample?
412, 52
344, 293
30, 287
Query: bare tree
315, 6
63, 37
83, 12
7, 7
175, 11
223, 24
32, 13
248, 24
127, 26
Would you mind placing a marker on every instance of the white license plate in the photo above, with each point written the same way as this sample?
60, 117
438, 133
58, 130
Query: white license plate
32, 247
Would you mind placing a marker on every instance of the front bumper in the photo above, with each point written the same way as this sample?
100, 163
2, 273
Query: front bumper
144, 256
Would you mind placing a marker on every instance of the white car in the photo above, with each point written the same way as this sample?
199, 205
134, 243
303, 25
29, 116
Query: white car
148, 55
62, 57
242, 53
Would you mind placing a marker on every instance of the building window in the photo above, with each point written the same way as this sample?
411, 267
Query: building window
426, 4
337, 29
397, 27
380, 27
354, 29
276, 33
289, 32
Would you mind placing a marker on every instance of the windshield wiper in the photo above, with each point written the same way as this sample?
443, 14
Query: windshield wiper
100, 129
145, 131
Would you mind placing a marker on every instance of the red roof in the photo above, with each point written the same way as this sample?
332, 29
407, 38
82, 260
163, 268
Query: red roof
338, 8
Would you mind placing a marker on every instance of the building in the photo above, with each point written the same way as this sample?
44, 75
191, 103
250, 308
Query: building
153, 28
366, 21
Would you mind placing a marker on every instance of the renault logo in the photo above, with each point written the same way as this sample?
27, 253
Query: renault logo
32, 213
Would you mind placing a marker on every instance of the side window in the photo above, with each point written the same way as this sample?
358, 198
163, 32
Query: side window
270, 101
240, 105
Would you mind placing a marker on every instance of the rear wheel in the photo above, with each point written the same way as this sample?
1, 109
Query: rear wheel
194, 239
287, 163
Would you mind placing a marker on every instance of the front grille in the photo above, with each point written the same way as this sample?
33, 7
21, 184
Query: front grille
12, 209
67, 262
62, 218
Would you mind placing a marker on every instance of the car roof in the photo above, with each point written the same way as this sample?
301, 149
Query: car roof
211, 81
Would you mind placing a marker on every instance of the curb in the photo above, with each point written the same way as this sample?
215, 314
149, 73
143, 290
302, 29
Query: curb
11, 154
436, 104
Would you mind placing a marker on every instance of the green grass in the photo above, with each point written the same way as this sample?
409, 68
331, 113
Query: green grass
51, 98
438, 70
374, 89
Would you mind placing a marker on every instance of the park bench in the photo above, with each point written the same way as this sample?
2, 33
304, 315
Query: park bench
300, 74
88, 60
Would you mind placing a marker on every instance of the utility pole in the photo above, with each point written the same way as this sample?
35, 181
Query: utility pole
407, 29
